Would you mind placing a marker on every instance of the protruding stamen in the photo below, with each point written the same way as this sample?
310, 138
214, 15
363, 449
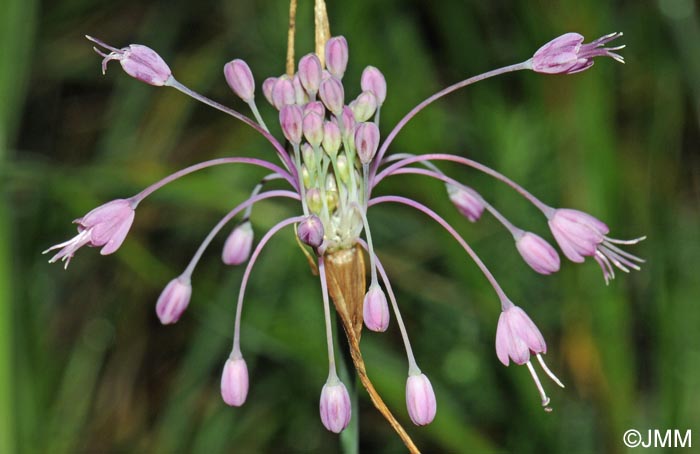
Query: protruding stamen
543, 395
549, 372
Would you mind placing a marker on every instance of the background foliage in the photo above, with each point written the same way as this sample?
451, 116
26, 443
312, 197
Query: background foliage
84, 365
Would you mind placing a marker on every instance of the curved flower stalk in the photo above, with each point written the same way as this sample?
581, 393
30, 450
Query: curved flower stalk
333, 160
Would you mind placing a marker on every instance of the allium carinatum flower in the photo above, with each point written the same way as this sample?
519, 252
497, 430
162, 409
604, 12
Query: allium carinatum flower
333, 160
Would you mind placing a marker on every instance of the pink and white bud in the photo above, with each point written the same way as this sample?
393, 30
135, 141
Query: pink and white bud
240, 78
420, 399
105, 226
234, 382
567, 55
315, 107
140, 62
310, 73
467, 201
517, 336
313, 128
300, 95
283, 93
334, 406
348, 129
375, 310
581, 235
364, 106
366, 141
373, 81
238, 245
267, 87
173, 300
332, 94
310, 231
337, 56
291, 120
331, 138
538, 253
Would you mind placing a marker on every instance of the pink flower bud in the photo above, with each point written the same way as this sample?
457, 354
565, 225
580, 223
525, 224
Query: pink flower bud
316, 107
310, 73
567, 55
467, 201
373, 81
234, 382
420, 399
283, 93
538, 253
366, 141
174, 299
517, 336
311, 231
337, 56
140, 62
291, 121
240, 79
300, 95
331, 138
238, 245
348, 128
313, 128
105, 226
267, 86
375, 309
364, 106
332, 95
335, 407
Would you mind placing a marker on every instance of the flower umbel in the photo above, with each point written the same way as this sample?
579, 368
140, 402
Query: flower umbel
333, 159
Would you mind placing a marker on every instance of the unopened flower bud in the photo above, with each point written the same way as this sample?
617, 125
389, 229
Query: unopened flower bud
314, 201
300, 96
337, 56
348, 119
467, 201
310, 73
332, 95
373, 81
267, 86
305, 176
234, 382
538, 253
332, 200
309, 157
240, 79
174, 299
366, 141
310, 231
316, 107
375, 309
364, 106
140, 62
343, 168
420, 399
313, 128
283, 93
238, 245
335, 407
291, 122
331, 138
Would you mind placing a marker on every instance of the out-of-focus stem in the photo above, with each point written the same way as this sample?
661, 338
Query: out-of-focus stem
290, 37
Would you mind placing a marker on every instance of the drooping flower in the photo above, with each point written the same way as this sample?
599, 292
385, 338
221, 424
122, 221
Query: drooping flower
333, 161
516, 338
105, 226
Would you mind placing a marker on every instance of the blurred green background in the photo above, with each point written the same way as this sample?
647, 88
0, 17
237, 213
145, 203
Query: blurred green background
86, 367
